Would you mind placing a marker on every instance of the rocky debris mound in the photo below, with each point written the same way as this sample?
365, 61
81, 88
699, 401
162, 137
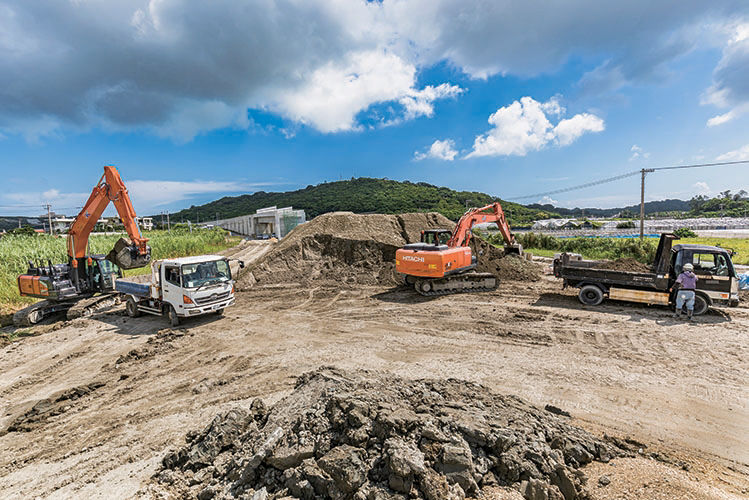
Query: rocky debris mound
624, 264
367, 435
344, 247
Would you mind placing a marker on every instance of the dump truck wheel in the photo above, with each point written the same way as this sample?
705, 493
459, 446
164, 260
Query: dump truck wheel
590, 295
172, 315
132, 308
700, 305
219, 312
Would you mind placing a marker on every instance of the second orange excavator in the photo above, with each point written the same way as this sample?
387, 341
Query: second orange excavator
86, 279
442, 263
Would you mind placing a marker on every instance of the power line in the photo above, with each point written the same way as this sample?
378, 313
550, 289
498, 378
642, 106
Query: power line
625, 175
581, 186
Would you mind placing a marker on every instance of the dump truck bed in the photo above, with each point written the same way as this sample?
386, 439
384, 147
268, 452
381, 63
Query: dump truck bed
132, 288
581, 271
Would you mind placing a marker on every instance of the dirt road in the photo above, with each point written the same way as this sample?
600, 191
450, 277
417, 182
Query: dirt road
627, 370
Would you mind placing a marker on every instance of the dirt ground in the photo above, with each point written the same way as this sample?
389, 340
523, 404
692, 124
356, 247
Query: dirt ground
94, 404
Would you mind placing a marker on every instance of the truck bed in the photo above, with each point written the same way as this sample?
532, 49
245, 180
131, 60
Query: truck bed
132, 288
580, 271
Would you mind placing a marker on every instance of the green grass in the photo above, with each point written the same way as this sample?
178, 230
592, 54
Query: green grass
16, 251
541, 252
614, 248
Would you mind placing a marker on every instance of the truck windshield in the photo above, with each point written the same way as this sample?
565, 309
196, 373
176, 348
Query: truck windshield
201, 273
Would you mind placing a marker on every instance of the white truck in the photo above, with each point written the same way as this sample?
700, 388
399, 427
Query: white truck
181, 288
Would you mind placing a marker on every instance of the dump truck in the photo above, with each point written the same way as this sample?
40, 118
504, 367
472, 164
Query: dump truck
718, 283
181, 288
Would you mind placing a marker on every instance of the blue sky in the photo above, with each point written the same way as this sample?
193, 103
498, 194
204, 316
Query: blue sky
192, 103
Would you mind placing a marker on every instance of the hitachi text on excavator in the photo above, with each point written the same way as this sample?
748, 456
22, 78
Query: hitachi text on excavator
74, 286
442, 263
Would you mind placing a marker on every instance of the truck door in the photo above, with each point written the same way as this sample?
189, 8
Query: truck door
172, 286
714, 271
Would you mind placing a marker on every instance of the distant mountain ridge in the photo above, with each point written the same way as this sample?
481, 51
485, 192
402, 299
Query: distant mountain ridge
651, 207
362, 195
368, 195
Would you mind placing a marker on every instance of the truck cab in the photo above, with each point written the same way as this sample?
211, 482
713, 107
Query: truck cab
717, 278
182, 287
717, 283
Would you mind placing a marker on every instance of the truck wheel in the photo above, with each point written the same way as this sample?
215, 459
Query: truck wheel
172, 315
700, 305
132, 308
590, 295
219, 312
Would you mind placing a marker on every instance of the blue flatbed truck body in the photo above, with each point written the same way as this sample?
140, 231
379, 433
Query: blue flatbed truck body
132, 288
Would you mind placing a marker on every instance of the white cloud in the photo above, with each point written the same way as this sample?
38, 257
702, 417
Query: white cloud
146, 195
335, 93
736, 155
638, 152
702, 188
721, 119
569, 130
439, 150
548, 200
523, 126
419, 102
730, 88
178, 68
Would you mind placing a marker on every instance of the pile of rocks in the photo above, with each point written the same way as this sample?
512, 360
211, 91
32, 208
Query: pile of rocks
367, 435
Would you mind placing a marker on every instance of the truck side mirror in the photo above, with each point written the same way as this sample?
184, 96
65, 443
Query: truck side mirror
241, 264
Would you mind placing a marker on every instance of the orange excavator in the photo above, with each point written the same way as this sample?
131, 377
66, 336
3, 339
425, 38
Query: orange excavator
442, 263
86, 280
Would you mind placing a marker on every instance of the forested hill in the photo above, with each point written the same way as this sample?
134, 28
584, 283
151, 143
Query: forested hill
362, 195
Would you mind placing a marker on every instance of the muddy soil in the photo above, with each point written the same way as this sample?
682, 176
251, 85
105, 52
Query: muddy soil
366, 434
348, 248
678, 390
625, 264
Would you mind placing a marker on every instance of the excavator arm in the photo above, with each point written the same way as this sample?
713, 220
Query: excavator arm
490, 213
125, 254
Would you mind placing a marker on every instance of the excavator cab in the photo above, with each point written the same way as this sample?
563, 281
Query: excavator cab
435, 237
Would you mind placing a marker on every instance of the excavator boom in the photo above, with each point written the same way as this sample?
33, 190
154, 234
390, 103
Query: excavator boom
126, 255
462, 234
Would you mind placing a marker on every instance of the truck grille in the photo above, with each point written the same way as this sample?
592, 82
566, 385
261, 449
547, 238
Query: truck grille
211, 298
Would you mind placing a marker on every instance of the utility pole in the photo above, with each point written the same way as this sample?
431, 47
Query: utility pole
168, 226
49, 218
643, 172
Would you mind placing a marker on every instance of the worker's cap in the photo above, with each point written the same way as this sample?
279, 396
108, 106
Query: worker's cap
688, 267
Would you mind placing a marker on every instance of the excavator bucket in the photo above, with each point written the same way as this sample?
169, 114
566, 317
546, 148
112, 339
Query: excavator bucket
514, 249
125, 255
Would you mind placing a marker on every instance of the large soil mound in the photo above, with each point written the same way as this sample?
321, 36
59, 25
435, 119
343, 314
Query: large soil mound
348, 248
371, 435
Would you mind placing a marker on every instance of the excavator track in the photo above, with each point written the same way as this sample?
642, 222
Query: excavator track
86, 307
33, 314
460, 283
